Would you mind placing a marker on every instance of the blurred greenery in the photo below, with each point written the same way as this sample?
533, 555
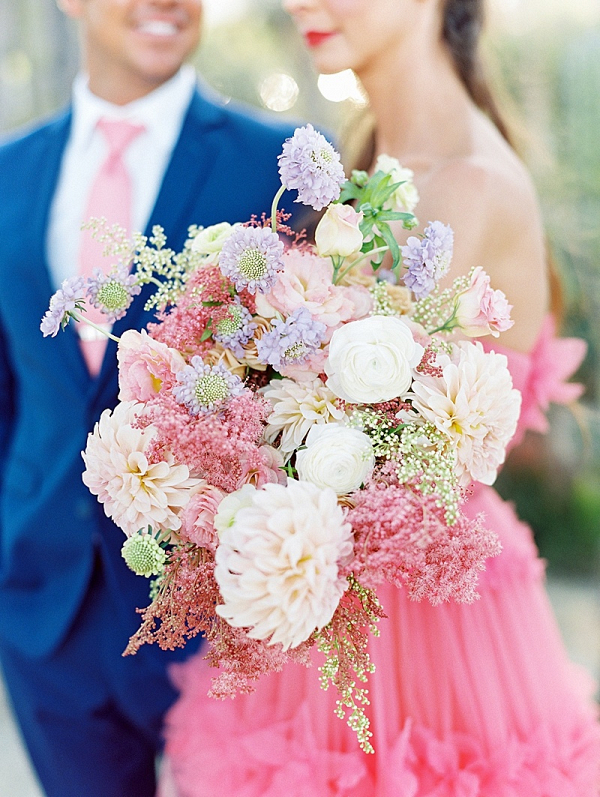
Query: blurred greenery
548, 59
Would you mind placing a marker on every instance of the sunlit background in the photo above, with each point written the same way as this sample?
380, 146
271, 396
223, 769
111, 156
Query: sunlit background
545, 57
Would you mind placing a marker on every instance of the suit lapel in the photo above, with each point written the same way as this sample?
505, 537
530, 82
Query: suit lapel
65, 345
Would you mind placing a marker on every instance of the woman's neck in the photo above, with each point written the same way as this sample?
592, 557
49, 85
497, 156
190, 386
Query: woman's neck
422, 110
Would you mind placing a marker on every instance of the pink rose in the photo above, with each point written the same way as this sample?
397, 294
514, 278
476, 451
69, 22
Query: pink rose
197, 519
269, 470
338, 233
145, 365
480, 310
306, 282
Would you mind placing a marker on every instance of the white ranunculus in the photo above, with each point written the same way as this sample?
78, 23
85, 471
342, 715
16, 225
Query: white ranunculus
406, 197
210, 240
230, 506
278, 563
336, 456
338, 232
371, 360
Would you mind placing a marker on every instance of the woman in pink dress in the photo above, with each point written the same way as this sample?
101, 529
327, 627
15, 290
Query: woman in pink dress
466, 700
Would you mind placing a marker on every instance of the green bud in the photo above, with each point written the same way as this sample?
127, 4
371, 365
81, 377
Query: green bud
144, 555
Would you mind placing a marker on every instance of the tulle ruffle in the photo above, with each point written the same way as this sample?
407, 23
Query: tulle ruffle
542, 376
215, 751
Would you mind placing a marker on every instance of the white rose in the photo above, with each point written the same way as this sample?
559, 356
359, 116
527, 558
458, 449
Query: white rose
371, 360
406, 197
210, 240
338, 232
336, 457
231, 505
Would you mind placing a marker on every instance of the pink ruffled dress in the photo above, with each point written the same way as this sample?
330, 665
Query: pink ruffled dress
472, 700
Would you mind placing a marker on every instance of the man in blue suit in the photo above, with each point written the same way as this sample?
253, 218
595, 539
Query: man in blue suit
91, 719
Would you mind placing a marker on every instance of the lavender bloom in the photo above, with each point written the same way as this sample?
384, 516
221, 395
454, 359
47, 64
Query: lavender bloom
206, 388
311, 165
112, 293
236, 329
290, 342
251, 258
428, 258
70, 296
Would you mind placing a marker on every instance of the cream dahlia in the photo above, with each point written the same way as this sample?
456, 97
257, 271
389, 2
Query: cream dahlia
136, 491
475, 405
277, 563
297, 406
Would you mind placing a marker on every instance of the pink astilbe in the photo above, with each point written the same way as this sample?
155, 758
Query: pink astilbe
242, 661
428, 364
184, 607
219, 448
402, 537
206, 301
184, 604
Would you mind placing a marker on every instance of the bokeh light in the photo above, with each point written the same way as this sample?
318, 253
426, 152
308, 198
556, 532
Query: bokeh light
342, 86
279, 92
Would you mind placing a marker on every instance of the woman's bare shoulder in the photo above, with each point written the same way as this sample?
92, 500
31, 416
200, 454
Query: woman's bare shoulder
491, 204
492, 199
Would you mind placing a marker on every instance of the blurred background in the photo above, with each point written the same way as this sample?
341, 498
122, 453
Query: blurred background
544, 56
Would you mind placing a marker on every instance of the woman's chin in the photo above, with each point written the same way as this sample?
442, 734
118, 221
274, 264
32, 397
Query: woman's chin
329, 66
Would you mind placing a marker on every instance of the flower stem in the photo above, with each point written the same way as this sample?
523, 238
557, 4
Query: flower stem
276, 199
84, 320
342, 274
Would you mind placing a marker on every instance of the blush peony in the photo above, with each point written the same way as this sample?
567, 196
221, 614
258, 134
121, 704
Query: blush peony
278, 563
306, 282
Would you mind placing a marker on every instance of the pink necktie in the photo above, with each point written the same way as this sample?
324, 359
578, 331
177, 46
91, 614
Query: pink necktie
110, 198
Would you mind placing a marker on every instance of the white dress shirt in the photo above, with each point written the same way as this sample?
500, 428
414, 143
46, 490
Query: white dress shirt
161, 112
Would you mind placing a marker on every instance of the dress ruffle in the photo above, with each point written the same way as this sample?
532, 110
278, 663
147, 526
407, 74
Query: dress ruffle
214, 750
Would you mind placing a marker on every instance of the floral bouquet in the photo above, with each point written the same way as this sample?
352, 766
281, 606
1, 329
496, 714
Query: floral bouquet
301, 424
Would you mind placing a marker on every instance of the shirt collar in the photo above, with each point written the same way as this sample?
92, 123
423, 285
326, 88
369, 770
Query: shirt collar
161, 112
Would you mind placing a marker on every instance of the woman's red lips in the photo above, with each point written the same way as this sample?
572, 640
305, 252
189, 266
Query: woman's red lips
314, 37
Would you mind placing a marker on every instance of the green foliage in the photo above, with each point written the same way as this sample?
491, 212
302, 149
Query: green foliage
372, 197
564, 515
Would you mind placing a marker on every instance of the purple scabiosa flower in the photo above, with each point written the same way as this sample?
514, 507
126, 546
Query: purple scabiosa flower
236, 329
428, 258
290, 342
206, 388
251, 258
112, 293
311, 165
70, 296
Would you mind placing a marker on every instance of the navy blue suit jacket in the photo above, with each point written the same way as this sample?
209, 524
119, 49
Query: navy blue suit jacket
223, 168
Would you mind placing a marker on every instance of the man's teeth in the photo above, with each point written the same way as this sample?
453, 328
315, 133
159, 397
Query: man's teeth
157, 27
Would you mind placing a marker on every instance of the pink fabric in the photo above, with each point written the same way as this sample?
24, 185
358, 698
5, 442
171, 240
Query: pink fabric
466, 701
110, 198
541, 376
